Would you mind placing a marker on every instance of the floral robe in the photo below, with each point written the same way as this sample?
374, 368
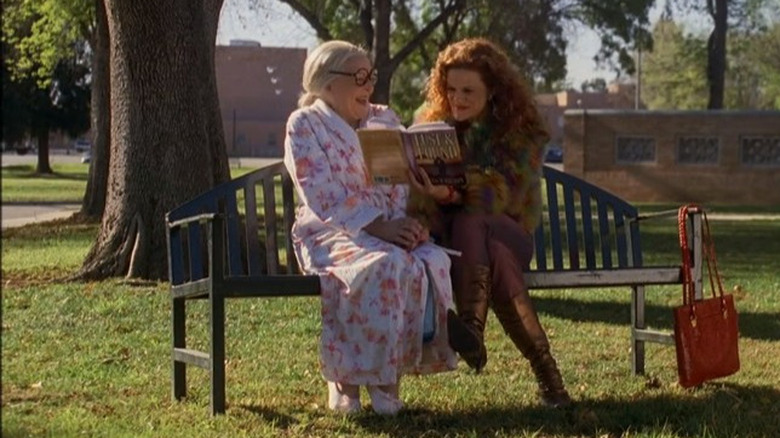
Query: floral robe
373, 292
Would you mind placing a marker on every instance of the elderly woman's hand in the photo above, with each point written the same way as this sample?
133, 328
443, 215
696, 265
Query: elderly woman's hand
442, 194
405, 232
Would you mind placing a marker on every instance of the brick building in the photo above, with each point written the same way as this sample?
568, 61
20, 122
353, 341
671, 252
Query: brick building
553, 105
258, 89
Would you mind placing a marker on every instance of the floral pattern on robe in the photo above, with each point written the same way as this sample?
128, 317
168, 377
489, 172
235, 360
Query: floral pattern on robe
373, 292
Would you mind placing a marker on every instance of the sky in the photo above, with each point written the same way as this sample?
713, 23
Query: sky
276, 25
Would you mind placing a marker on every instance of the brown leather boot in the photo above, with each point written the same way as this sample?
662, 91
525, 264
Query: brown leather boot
521, 323
471, 290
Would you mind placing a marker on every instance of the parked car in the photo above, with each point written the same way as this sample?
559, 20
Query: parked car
82, 145
553, 153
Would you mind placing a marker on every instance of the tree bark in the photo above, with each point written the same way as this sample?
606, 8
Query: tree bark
162, 130
716, 52
94, 201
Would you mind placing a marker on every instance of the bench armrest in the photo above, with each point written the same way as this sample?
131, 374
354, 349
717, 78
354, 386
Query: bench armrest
191, 219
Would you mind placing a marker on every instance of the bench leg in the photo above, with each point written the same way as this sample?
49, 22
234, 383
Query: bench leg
637, 323
217, 356
179, 378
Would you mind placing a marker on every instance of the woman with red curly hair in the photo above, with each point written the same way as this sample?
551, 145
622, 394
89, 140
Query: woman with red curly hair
491, 219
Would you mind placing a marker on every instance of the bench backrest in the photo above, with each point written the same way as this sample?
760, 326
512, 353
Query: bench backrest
584, 227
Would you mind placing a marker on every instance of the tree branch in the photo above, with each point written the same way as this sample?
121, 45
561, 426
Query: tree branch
322, 32
454, 6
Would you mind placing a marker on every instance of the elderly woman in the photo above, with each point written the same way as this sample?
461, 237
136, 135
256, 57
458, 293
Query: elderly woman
491, 219
375, 266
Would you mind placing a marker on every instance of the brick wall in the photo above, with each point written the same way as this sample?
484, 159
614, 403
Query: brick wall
726, 157
258, 89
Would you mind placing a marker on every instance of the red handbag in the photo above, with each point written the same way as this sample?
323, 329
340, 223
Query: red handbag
706, 332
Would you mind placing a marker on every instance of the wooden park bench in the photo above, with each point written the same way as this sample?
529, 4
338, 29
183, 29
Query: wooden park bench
233, 242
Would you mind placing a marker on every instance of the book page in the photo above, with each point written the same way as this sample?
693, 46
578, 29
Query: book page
384, 154
430, 126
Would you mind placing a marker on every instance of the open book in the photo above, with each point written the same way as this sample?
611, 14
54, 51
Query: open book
389, 151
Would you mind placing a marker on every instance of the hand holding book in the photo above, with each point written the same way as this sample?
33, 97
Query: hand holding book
442, 194
390, 152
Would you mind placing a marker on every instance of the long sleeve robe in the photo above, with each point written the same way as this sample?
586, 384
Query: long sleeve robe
373, 292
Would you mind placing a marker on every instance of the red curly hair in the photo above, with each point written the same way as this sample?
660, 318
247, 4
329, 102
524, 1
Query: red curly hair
511, 107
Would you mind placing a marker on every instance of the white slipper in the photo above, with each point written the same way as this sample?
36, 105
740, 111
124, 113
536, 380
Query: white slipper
384, 403
341, 402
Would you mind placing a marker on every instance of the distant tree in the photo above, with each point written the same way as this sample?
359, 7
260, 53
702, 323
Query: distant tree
597, 85
675, 71
44, 32
725, 14
34, 108
406, 35
167, 143
673, 74
766, 52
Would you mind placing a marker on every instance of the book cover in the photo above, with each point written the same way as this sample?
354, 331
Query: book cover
389, 152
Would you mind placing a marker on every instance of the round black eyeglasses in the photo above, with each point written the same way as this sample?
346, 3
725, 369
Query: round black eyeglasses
362, 76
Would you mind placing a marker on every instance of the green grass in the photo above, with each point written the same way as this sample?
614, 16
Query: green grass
93, 359
67, 184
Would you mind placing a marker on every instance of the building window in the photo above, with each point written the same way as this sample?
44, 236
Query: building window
760, 150
634, 150
693, 149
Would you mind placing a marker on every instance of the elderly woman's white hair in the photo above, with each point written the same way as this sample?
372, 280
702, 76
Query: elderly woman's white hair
331, 55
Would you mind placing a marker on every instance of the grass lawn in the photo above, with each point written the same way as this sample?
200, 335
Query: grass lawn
93, 359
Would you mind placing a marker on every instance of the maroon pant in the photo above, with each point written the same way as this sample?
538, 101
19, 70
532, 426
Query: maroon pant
497, 241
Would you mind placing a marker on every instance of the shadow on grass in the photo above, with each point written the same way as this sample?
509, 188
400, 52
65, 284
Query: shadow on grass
761, 326
282, 421
729, 411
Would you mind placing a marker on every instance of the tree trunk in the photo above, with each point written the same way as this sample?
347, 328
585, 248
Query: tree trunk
42, 135
716, 53
209, 94
95, 195
162, 133
381, 45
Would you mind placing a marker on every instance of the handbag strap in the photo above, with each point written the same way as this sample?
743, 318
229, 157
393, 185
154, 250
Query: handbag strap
687, 279
708, 248
712, 261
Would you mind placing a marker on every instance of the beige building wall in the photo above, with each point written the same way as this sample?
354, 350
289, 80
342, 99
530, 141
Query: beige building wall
552, 106
726, 157
258, 89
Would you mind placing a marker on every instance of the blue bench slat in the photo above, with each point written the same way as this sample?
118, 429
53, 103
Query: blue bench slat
555, 223
252, 240
195, 243
289, 219
271, 234
175, 257
232, 222
620, 236
604, 235
539, 247
571, 227
636, 247
587, 229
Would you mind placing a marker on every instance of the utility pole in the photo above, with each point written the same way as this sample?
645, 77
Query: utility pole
638, 85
